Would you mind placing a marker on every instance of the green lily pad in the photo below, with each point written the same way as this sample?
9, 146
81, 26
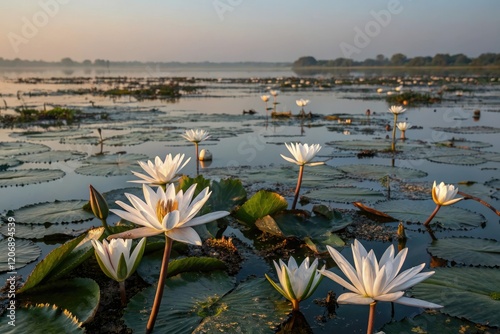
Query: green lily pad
41, 319
51, 261
495, 183
209, 303
491, 156
6, 163
464, 160
80, 296
9, 149
261, 204
463, 144
111, 165
28, 176
53, 212
434, 322
470, 293
376, 172
139, 137
149, 268
29, 231
468, 251
448, 217
469, 129
25, 252
344, 195
226, 194
53, 134
119, 195
53, 156
376, 145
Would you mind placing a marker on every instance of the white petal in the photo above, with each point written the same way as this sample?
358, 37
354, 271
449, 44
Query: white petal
354, 298
206, 218
186, 235
416, 302
136, 233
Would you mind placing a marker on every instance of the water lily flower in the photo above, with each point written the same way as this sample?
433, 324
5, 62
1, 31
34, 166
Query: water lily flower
403, 126
395, 110
99, 207
274, 93
296, 283
196, 136
265, 98
161, 172
301, 102
167, 212
442, 195
372, 280
116, 262
302, 155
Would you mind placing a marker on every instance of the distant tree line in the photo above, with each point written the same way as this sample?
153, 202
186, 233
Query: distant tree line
399, 59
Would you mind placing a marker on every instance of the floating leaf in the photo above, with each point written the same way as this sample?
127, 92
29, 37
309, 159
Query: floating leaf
139, 137
24, 253
41, 319
6, 163
344, 195
468, 251
53, 212
376, 172
52, 156
119, 195
375, 145
448, 217
469, 129
28, 176
464, 160
470, 293
261, 204
434, 322
29, 231
9, 149
51, 261
53, 134
111, 165
463, 144
80, 296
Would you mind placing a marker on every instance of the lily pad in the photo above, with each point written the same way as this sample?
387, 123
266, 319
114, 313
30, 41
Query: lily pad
25, 252
226, 194
41, 319
261, 204
344, 195
119, 195
53, 156
6, 163
111, 165
469, 129
9, 149
29, 231
464, 160
463, 144
448, 217
376, 172
375, 145
28, 176
139, 137
209, 303
468, 251
434, 322
470, 293
80, 296
52, 134
53, 213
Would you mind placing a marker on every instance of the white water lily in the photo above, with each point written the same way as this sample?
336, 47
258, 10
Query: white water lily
403, 126
302, 102
302, 154
167, 212
161, 172
372, 280
274, 92
196, 136
264, 98
115, 259
296, 283
444, 194
397, 110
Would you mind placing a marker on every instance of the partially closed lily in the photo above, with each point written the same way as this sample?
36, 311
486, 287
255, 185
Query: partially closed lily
372, 281
443, 195
160, 173
395, 110
302, 155
296, 283
196, 136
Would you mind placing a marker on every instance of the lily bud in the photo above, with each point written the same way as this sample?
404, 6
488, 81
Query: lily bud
401, 231
98, 204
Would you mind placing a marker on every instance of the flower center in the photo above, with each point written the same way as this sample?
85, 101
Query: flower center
165, 207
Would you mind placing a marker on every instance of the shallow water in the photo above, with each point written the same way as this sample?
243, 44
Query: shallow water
261, 145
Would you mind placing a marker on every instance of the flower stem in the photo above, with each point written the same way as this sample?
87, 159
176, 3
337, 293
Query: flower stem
295, 305
393, 145
123, 293
161, 285
297, 189
428, 221
371, 318
488, 205
197, 159
106, 226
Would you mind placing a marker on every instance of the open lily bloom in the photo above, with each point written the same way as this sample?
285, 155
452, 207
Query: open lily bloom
403, 126
296, 283
161, 172
302, 102
302, 154
372, 280
115, 259
265, 98
444, 194
196, 136
397, 110
168, 212
274, 93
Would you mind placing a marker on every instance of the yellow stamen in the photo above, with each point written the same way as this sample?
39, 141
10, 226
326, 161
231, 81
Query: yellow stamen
163, 208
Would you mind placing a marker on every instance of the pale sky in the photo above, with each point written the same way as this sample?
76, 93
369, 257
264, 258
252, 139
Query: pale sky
245, 30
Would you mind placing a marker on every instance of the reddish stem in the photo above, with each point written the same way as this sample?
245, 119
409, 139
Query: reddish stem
297, 189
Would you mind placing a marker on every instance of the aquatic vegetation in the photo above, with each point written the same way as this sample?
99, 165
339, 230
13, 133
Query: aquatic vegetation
412, 98
395, 110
